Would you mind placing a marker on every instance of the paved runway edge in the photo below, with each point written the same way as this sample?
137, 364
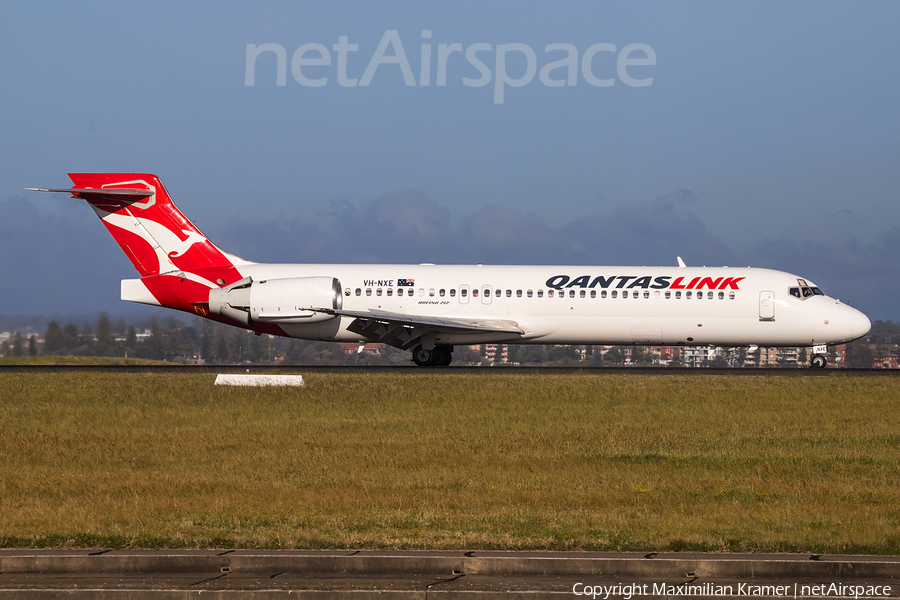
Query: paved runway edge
448, 562
343, 573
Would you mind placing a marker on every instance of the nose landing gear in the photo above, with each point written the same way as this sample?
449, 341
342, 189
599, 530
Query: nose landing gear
440, 356
818, 361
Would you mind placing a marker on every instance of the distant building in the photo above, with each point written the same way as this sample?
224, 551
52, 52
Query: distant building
490, 353
354, 348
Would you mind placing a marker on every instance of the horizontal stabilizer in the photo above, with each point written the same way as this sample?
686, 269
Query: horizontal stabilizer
134, 290
105, 192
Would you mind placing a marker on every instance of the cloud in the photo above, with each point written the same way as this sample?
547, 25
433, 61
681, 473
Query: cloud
499, 235
681, 196
404, 227
646, 233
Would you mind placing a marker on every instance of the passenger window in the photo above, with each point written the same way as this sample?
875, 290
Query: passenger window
549, 293
731, 295
668, 294
540, 293
368, 291
656, 295
583, 293
678, 295
518, 293
721, 295
509, 293
593, 293
498, 293
624, 294
453, 293
431, 292
647, 294
475, 293
795, 292
347, 292
378, 292
358, 292
421, 291
709, 295
614, 292
529, 293
571, 293
687, 295
603, 294
442, 292
390, 292
463, 292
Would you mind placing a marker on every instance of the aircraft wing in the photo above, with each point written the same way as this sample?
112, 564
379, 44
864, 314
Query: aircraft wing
441, 324
404, 331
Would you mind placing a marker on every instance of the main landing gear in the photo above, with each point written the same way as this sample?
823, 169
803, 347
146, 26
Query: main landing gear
441, 356
818, 361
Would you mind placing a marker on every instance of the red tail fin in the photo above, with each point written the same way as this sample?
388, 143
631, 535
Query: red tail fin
154, 234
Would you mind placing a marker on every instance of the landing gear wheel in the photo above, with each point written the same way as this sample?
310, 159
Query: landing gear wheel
818, 362
422, 357
441, 356
446, 356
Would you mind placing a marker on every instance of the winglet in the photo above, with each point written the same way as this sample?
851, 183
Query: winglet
681, 264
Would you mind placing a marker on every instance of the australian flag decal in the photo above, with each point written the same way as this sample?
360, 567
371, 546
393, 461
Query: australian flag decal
406, 282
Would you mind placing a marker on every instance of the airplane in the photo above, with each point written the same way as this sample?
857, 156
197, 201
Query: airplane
428, 309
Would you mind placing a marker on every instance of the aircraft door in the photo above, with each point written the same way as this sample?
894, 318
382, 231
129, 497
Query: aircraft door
463, 294
767, 306
486, 293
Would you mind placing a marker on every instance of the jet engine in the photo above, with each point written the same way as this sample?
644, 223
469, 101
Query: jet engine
291, 300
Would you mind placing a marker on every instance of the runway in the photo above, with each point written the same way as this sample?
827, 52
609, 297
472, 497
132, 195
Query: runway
413, 370
326, 574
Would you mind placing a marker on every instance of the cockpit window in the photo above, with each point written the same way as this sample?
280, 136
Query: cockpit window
805, 290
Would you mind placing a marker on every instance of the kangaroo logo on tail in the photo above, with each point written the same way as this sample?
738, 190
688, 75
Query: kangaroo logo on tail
194, 237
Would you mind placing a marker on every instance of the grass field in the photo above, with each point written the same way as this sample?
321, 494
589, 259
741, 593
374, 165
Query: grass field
503, 461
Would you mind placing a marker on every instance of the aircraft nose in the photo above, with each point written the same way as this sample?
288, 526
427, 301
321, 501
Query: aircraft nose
859, 324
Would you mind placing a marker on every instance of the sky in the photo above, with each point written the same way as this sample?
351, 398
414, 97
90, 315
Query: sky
508, 132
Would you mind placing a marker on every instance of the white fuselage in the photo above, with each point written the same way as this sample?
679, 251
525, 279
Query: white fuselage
588, 305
